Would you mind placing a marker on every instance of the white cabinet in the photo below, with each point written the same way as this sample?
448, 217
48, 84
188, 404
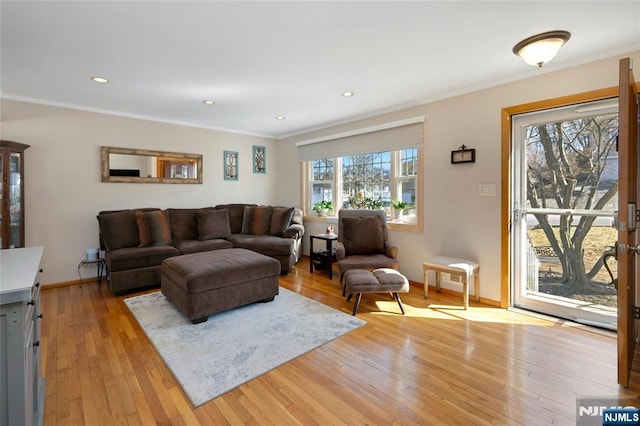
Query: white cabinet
21, 381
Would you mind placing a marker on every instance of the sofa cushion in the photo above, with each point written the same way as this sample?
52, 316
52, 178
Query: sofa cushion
247, 216
153, 228
119, 229
236, 212
261, 220
362, 235
264, 244
128, 258
213, 224
196, 246
280, 220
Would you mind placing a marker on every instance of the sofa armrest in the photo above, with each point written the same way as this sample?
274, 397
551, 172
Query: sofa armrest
340, 253
294, 231
391, 250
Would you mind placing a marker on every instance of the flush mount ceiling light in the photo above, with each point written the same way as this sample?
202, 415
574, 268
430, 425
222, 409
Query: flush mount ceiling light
541, 48
279, 117
99, 79
347, 94
208, 102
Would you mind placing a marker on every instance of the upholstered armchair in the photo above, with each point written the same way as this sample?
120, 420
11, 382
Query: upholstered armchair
363, 241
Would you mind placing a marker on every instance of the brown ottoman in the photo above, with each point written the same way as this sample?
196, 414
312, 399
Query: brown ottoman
202, 284
382, 280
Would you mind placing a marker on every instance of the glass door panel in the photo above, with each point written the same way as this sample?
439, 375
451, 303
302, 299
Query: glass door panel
565, 194
1, 197
574, 283
15, 200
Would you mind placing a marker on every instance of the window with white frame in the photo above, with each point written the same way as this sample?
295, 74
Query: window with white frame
321, 181
377, 167
370, 180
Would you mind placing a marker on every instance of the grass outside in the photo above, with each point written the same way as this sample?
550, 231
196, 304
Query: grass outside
600, 290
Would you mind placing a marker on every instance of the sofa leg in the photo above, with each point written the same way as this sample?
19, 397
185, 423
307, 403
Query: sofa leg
199, 320
268, 300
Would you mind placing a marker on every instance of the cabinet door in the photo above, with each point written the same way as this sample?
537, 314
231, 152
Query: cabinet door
12, 194
15, 200
2, 196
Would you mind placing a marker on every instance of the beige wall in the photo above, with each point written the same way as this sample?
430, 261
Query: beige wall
63, 191
458, 222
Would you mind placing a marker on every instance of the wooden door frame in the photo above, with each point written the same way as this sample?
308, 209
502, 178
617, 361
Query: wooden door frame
506, 153
627, 236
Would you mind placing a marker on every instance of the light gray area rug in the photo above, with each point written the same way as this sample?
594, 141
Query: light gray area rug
233, 347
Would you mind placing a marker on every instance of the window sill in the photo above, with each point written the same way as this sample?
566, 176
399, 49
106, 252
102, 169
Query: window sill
320, 219
391, 225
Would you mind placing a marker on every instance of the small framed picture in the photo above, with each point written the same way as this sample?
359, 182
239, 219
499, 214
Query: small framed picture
230, 165
259, 159
463, 155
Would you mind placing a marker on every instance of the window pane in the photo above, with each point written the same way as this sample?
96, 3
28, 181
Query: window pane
409, 162
322, 169
408, 191
320, 192
368, 175
573, 164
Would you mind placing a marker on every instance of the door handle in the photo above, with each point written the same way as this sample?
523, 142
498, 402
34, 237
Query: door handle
624, 248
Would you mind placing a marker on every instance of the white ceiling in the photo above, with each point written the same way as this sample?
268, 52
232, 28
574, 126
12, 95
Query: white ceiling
258, 60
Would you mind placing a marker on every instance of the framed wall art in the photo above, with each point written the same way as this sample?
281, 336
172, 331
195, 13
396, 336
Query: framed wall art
463, 155
259, 159
230, 165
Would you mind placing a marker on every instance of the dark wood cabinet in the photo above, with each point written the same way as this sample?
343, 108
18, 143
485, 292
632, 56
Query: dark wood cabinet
12, 194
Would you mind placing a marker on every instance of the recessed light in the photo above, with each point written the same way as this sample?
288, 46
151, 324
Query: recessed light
208, 102
347, 94
280, 117
99, 79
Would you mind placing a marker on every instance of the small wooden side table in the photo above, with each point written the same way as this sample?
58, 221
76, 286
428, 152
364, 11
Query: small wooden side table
324, 257
467, 269
100, 264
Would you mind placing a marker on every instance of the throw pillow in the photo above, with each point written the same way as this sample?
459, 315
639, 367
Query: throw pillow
183, 224
280, 220
362, 235
118, 229
153, 228
261, 220
213, 224
246, 219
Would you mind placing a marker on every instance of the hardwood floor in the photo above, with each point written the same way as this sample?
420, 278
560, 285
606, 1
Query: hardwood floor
437, 365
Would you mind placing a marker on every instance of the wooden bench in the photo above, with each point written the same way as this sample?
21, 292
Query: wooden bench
466, 269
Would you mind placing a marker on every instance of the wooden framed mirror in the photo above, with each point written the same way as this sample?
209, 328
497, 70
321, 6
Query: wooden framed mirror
144, 166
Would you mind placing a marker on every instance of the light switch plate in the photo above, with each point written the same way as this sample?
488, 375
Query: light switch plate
487, 190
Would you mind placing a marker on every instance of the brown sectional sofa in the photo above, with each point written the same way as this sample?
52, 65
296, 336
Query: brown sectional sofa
136, 241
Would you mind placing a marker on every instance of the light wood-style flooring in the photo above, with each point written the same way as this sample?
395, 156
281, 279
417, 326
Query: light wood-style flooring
436, 365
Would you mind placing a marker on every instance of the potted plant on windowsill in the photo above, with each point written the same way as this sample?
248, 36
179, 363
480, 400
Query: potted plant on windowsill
398, 208
322, 207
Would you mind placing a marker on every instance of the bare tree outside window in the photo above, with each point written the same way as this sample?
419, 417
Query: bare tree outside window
572, 165
367, 174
